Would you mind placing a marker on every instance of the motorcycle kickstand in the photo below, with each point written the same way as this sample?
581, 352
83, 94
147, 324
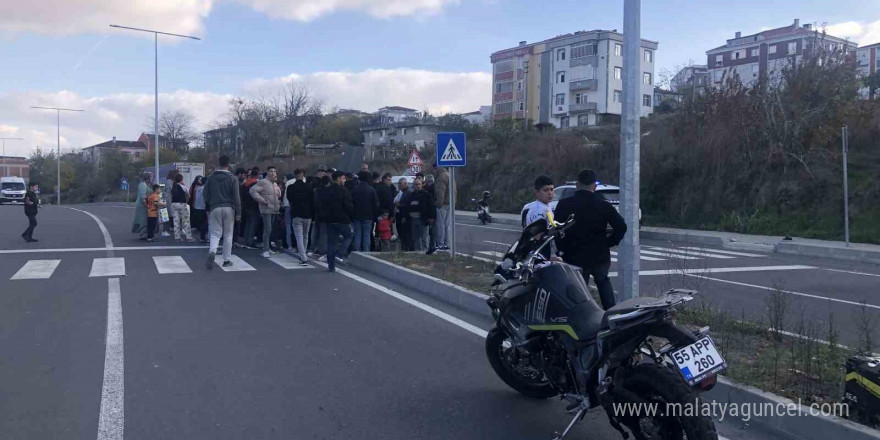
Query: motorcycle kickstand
577, 418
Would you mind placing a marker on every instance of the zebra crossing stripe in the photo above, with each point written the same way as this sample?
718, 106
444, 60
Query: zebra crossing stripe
670, 255
36, 270
492, 254
108, 267
643, 257
719, 251
674, 251
238, 265
288, 262
174, 264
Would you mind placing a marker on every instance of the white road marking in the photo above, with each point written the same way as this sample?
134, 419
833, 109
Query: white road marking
111, 420
716, 270
438, 313
643, 257
108, 267
719, 251
238, 265
854, 273
173, 264
806, 295
492, 254
108, 242
686, 252
36, 270
485, 260
103, 249
506, 245
288, 262
489, 227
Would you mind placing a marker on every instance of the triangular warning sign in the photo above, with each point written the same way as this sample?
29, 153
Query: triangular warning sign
451, 154
415, 159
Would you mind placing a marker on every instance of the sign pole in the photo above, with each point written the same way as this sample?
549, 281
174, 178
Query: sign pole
844, 133
451, 224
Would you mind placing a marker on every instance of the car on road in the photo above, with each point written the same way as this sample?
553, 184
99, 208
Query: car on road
12, 190
395, 179
610, 192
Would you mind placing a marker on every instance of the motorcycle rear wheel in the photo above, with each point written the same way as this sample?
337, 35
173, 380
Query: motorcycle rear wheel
533, 385
660, 385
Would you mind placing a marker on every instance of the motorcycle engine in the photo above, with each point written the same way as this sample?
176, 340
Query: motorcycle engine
556, 365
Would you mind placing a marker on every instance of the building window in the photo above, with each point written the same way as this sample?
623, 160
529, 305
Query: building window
583, 120
519, 85
504, 87
646, 100
739, 54
646, 78
755, 69
618, 72
754, 52
719, 60
618, 96
504, 66
383, 133
506, 107
584, 50
618, 49
404, 131
792, 48
771, 49
137, 154
520, 106
418, 129
580, 98
718, 75
560, 77
560, 99
560, 55
649, 56
564, 122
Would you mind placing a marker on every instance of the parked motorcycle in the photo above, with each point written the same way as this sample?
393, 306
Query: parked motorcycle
552, 339
482, 206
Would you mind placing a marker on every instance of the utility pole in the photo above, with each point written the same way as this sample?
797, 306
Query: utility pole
58, 111
844, 134
156, 83
629, 263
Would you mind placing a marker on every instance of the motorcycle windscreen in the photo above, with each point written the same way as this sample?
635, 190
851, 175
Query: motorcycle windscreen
526, 243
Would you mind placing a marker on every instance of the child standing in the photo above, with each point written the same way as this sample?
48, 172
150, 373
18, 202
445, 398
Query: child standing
153, 202
383, 231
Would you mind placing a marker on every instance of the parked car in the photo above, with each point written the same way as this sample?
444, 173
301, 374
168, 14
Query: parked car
610, 192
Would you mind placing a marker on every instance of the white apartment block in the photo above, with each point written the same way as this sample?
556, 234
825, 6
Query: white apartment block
568, 81
867, 63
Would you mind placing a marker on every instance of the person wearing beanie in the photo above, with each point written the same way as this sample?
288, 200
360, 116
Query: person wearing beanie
587, 244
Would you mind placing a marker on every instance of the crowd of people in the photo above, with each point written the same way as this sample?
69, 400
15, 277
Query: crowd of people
326, 215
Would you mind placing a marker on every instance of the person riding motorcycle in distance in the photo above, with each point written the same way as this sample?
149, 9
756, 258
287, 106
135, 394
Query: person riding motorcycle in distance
587, 243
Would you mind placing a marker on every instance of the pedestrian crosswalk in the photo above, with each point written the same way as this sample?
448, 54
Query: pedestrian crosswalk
656, 253
164, 265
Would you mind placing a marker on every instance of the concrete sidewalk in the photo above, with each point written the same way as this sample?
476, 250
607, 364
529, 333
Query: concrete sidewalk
869, 253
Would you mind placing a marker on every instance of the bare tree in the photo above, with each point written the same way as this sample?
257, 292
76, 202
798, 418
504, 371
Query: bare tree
176, 130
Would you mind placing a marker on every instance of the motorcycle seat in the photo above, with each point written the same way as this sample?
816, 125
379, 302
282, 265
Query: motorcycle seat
630, 305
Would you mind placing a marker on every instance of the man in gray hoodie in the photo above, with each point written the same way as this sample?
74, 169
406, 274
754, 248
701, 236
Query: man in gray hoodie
224, 205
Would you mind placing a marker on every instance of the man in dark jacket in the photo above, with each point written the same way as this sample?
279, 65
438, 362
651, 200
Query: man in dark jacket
587, 243
404, 225
385, 192
224, 206
336, 208
421, 214
366, 210
250, 209
301, 198
31, 202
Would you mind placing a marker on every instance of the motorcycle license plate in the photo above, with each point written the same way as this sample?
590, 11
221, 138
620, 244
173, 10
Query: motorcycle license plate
698, 360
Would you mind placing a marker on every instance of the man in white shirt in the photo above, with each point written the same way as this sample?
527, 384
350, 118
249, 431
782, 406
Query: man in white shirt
540, 208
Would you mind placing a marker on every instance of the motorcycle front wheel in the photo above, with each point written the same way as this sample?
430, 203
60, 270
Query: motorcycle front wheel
661, 386
514, 370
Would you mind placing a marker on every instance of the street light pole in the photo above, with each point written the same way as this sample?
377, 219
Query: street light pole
629, 261
4, 143
156, 83
58, 111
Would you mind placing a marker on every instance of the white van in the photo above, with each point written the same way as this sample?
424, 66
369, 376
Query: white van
12, 190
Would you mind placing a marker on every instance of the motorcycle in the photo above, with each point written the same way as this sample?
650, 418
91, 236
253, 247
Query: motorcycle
552, 339
483, 214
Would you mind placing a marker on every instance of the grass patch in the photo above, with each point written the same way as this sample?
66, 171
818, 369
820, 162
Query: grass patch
466, 272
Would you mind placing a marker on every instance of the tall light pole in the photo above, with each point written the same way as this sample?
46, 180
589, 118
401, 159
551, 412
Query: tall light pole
156, 64
58, 111
8, 139
629, 261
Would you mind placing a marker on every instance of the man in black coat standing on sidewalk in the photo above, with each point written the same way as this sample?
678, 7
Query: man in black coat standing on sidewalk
366, 210
587, 243
31, 202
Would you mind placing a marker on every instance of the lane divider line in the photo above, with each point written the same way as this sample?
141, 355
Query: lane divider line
108, 242
111, 419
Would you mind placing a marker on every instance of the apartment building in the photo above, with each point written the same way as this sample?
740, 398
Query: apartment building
868, 63
569, 80
134, 149
768, 52
690, 79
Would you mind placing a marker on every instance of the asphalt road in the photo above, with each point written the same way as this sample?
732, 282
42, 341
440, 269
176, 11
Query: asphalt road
101, 340
737, 282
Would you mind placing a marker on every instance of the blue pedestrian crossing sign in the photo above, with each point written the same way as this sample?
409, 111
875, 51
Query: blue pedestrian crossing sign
451, 150
123, 184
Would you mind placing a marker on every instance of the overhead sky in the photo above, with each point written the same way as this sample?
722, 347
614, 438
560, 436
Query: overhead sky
363, 54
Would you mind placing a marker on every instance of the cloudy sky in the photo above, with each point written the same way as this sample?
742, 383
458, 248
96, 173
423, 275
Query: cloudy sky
361, 54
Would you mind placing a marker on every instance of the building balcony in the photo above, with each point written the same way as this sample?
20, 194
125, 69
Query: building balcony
591, 60
560, 109
583, 107
583, 84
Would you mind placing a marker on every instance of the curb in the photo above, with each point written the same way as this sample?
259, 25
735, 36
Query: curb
707, 240
804, 426
807, 250
495, 220
801, 426
442, 290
